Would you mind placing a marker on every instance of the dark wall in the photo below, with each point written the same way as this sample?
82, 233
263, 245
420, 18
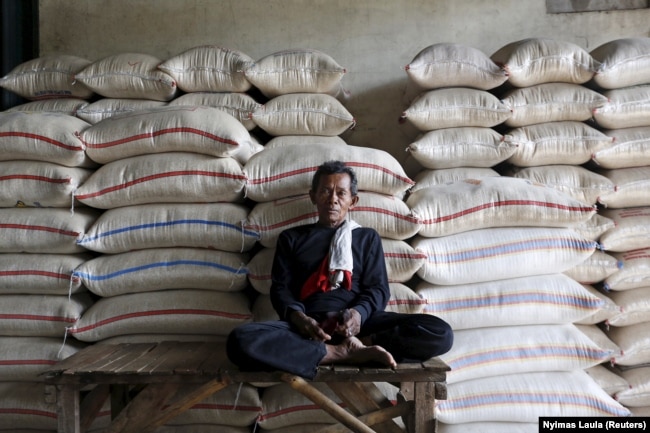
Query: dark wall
19, 41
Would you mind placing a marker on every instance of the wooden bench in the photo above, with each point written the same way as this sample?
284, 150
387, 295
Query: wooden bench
150, 383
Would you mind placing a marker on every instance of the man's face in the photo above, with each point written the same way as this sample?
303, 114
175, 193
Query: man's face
333, 199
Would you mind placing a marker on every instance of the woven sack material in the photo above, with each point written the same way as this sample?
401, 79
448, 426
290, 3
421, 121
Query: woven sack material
271, 175
493, 202
186, 311
163, 268
48, 77
209, 68
461, 147
108, 107
454, 65
128, 75
159, 225
388, 215
500, 253
532, 61
171, 177
48, 137
533, 300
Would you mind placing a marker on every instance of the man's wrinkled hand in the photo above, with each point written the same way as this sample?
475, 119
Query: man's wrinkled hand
349, 323
308, 327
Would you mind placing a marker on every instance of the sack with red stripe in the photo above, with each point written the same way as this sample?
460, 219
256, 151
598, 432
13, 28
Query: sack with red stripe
184, 311
198, 129
39, 183
271, 175
531, 300
45, 274
47, 230
49, 137
172, 177
489, 352
41, 315
24, 358
499, 253
525, 397
494, 202
388, 215
24, 408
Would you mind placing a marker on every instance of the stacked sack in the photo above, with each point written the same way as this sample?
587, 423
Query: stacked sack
556, 137
170, 252
42, 162
497, 251
454, 114
216, 77
623, 76
305, 120
173, 253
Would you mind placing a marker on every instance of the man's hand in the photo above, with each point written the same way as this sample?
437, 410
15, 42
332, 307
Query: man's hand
308, 327
349, 323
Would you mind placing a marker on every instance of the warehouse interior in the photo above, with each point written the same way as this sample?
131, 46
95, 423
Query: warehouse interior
461, 199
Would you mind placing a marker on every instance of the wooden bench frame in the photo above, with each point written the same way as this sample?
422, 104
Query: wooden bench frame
150, 383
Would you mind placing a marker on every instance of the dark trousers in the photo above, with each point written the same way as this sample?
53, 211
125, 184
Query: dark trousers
275, 345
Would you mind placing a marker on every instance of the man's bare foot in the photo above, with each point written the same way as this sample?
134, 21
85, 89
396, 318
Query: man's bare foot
353, 351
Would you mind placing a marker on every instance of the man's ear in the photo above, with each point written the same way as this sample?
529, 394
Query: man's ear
311, 196
355, 200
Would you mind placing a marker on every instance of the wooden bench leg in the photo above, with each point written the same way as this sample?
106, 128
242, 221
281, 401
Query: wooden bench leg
340, 414
67, 408
157, 403
364, 397
92, 404
425, 417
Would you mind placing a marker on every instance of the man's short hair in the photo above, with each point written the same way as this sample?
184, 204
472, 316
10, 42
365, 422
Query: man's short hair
335, 167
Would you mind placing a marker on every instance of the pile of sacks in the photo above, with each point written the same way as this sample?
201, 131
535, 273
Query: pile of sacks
499, 247
176, 208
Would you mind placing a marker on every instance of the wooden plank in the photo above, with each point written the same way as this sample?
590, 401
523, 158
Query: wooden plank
407, 389
425, 419
119, 398
370, 376
153, 396
436, 364
181, 355
373, 418
145, 362
67, 409
363, 398
345, 369
216, 362
80, 358
409, 366
196, 358
106, 365
185, 398
338, 413
441, 390
92, 404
